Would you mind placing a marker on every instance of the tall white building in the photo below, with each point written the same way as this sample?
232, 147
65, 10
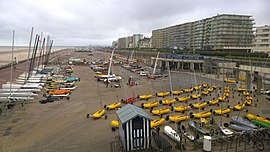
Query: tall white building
136, 39
129, 40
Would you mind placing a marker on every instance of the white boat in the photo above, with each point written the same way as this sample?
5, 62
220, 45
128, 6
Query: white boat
20, 90
171, 133
31, 78
8, 99
17, 94
57, 95
225, 131
24, 86
189, 136
68, 88
29, 81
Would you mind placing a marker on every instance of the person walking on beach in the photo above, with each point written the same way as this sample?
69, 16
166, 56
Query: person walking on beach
107, 82
129, 80
14, 63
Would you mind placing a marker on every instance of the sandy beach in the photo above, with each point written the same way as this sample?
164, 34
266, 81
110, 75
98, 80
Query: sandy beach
62, 125
19, 54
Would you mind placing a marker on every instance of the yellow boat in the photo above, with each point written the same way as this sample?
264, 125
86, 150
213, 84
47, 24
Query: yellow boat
201, 114
98, 114
115, 123
215, 86
242, 79
210, 89
205, 85
177, 118
196, 96
204, 121
253, 117
150, 104
213, 102
248, 102
162, 94
182, 98
246, 93
167, 101
145, 97
248, 98
222, 111
239, 107
205, 92
188, 90
226, 94
230, 81
113, 106
241, 89
222, 98
181, 108
160, 111
226, 88
197, 87
50, 88
156, 122
177, 92
99, 74
198, 105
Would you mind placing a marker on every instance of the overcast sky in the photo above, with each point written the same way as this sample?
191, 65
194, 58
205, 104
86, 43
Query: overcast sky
99, 22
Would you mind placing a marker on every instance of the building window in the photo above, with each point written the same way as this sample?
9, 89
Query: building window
265, 30
137, 123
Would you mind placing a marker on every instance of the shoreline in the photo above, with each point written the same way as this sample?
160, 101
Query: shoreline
21, 56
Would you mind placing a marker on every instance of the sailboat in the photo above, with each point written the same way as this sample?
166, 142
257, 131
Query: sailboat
154, 73
108, 76
13, 96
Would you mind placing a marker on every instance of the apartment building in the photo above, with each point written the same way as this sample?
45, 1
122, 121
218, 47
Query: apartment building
221, 32
121, 43
262, 39
129, 41
136, 39
145, 43
157, 38
114, 44
231, 32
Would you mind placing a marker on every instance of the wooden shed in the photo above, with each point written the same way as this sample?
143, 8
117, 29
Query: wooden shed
134, 128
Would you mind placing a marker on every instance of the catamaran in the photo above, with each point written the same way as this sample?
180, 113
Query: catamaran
23, 86
20, 90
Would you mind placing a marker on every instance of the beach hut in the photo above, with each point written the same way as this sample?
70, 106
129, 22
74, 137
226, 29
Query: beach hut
134, 128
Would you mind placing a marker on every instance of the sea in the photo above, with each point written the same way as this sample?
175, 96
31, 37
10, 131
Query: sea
20, 48
9, 48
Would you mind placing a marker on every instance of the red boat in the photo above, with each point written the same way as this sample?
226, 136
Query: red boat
129, 100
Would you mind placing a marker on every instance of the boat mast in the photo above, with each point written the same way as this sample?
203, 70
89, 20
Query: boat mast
131, 57
171, 89
11, 67
41, 43
29, 49
32, 63
155, 66
109, 70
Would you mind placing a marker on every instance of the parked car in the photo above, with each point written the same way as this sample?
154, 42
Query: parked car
144, 73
